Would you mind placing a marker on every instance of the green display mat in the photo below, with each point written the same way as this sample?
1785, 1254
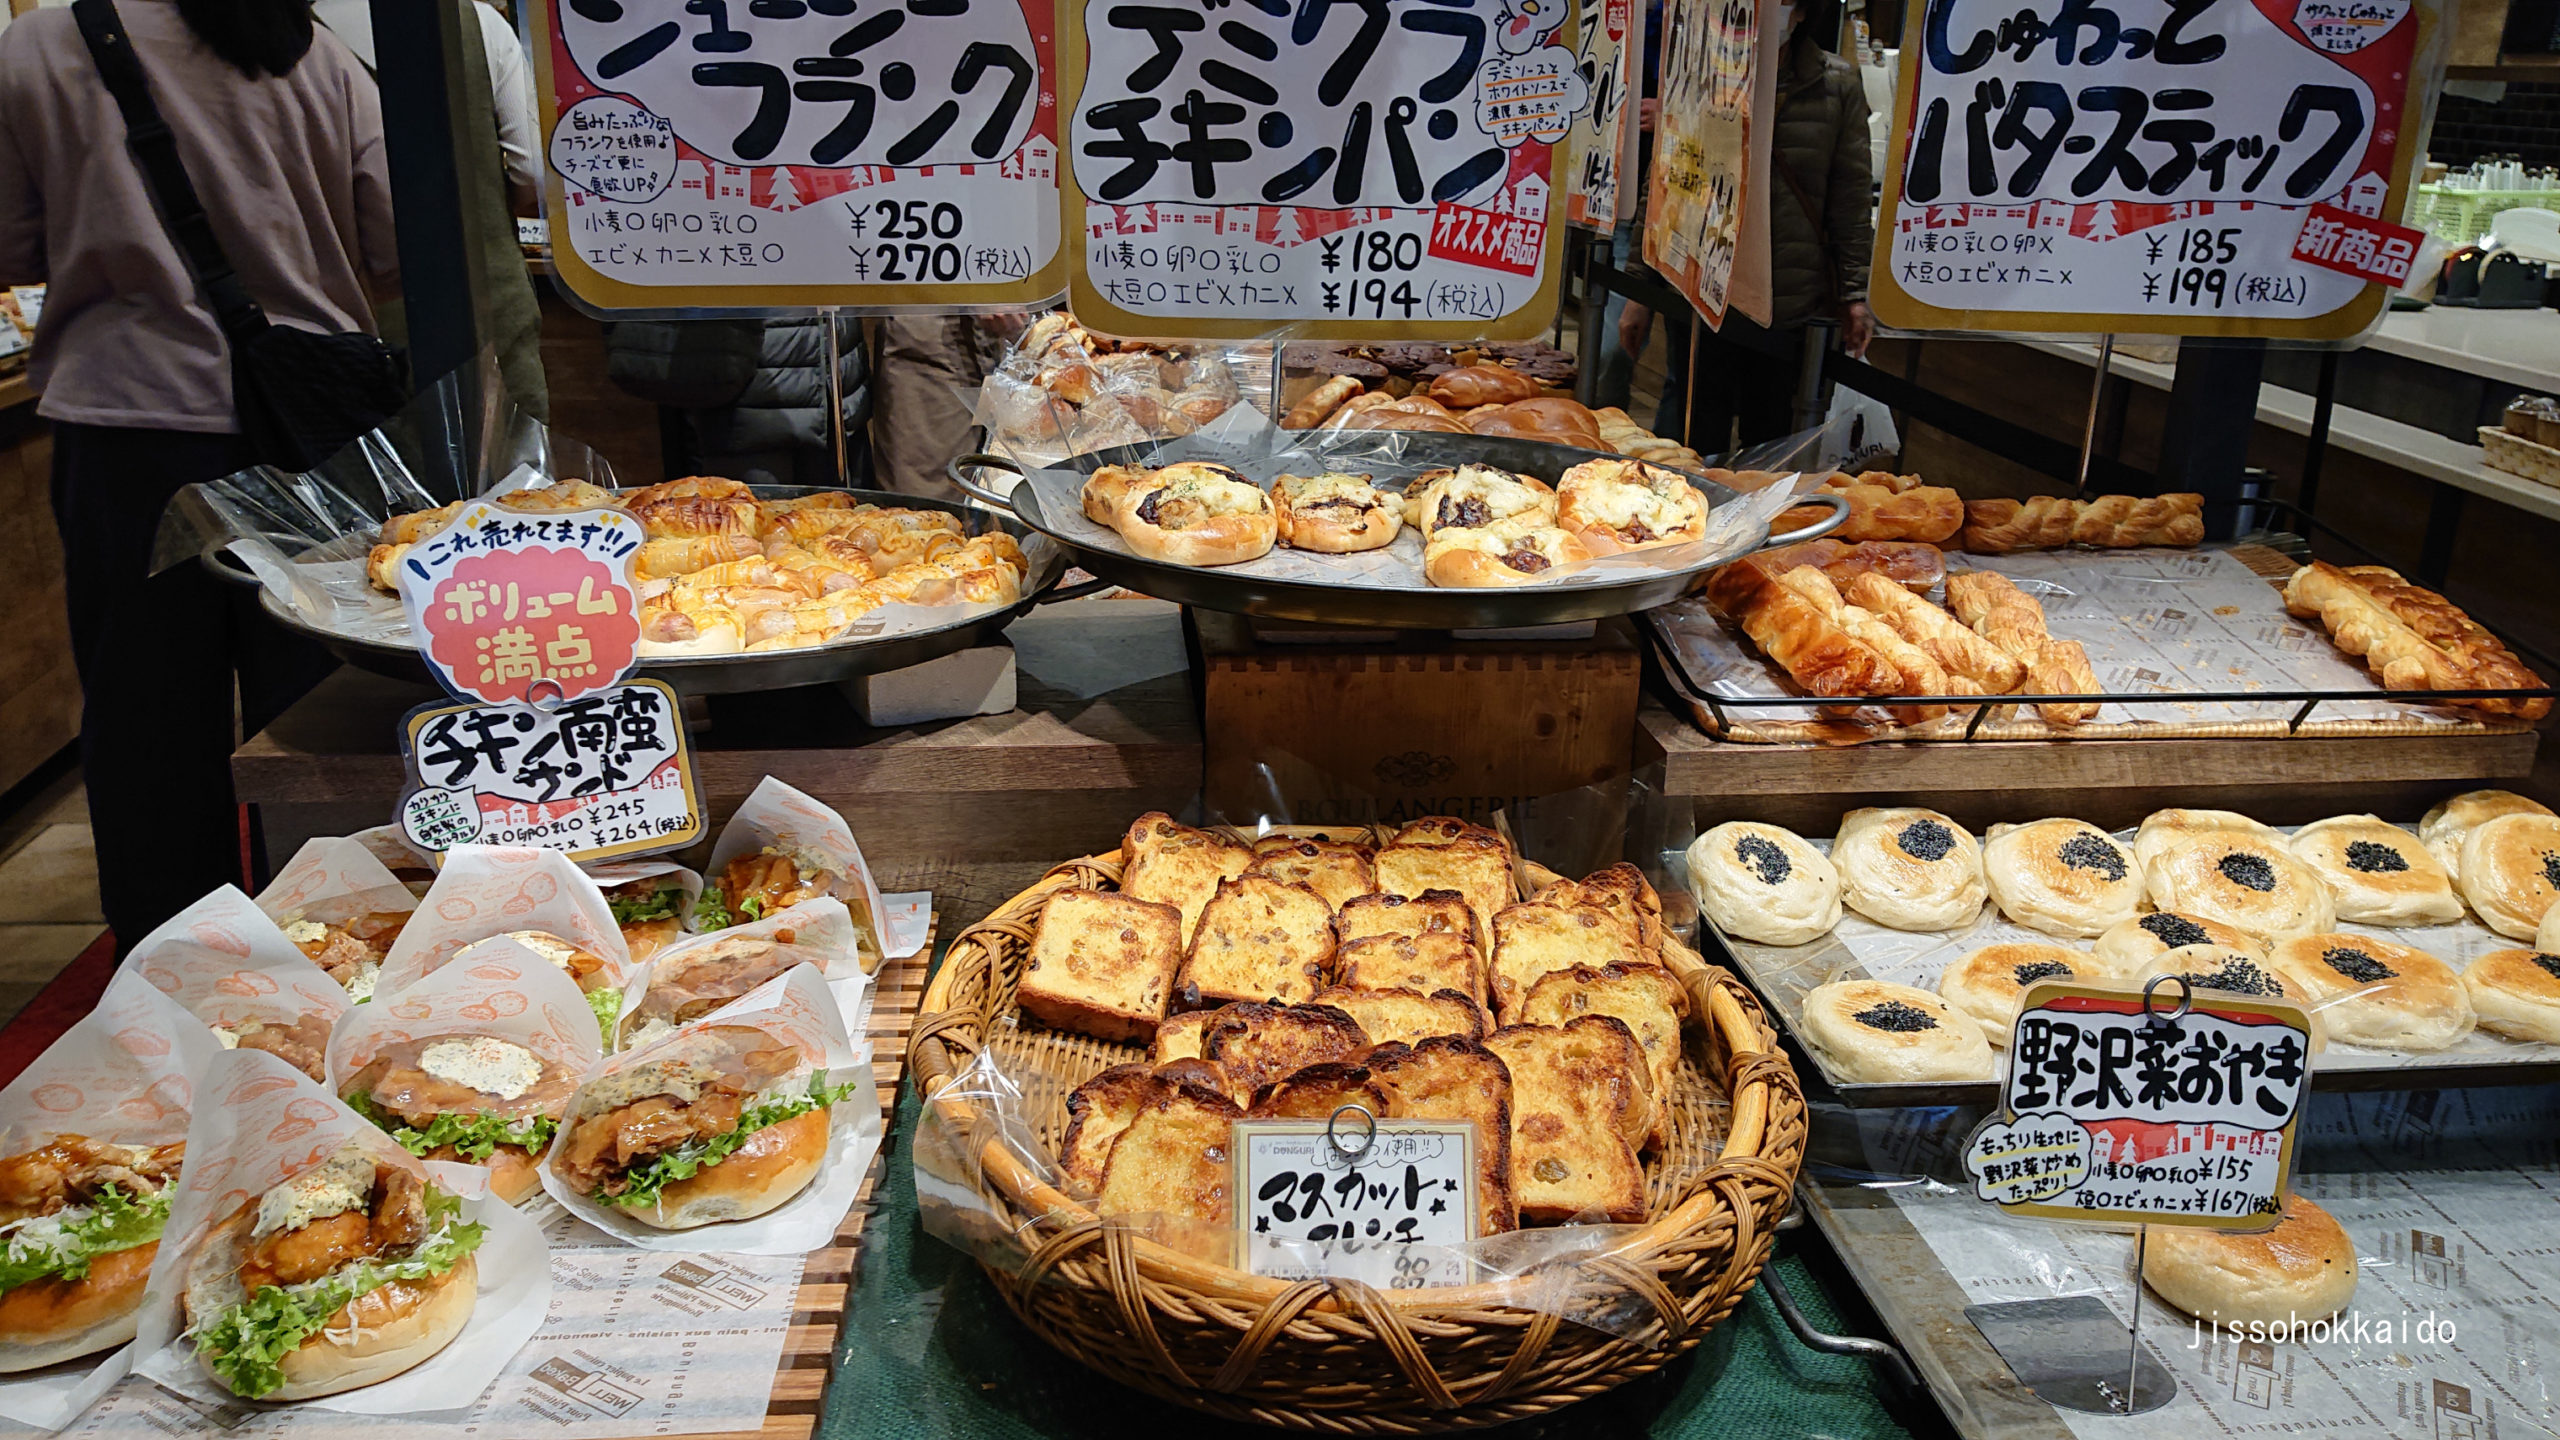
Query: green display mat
930, 1353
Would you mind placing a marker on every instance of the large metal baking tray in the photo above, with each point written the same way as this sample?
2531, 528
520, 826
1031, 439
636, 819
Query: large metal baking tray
1422, 607
764, 670
1782, 974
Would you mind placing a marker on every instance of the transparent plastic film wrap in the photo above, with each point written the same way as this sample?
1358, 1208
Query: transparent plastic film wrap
782, 847
694, 977
1063, 390
982, 1120
306, 536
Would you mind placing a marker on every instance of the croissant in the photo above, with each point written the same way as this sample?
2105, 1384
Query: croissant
1821, 657
690, 487
688, 517
1958, 650
2010, 618
2046, 522
1914, 566
409, 529
1916, 673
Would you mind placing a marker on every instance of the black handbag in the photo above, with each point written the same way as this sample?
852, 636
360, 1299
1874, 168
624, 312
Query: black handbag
300, 395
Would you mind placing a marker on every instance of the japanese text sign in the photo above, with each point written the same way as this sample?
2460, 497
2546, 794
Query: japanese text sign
2113, 1114
1356, 169
790, 153
603, 775
1604, 136
2146, 165
513, 606
1702, 145
2364, 246
1314, 1201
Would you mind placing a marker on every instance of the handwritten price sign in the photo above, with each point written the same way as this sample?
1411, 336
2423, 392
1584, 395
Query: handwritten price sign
601, 776
521, 607
1386, 1211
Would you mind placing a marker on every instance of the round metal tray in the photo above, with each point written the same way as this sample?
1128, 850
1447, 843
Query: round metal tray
1423, 607
764, 670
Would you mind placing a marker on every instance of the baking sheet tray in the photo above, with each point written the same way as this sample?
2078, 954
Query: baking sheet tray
2162, 622
2447, 1194
1858, 948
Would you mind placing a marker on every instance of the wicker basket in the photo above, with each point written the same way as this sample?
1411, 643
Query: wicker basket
1338, 1356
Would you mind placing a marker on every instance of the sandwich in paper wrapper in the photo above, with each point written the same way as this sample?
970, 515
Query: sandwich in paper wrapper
700, 974
415, 868
342, 908
473, 1064
224, 962
92, 1136
781, 848
746, 1131
652, 900
534, 897
310, 1258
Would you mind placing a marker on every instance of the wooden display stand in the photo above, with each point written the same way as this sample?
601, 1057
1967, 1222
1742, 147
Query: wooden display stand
1408, 723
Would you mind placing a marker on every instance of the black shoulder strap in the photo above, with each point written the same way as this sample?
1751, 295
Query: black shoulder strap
155, 151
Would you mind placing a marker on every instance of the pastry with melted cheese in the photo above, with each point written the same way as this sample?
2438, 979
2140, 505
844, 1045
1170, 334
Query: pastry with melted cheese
1335, 514
470, 1099
1194, 513
1472, 497
1620, 505
1507, 552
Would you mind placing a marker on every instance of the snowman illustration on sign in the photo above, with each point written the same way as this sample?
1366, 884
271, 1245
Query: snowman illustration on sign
1521, 26
1532, 89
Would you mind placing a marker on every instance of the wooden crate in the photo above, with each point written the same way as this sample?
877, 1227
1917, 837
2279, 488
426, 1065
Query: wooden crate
1421, 724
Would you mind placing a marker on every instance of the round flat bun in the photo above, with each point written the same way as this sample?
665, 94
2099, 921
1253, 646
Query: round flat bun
46, 1322
1764, 884
1877, 1032
386, 1332
2248, 882
775, 1164
1909, 869
2546, 936
2443, 828
1988, 984
2374, 992
2302, 1270
2133, 943
2062, 877
513, 1171
2231, 971
2517, 993
2511, 872
2163, 829
2379, 873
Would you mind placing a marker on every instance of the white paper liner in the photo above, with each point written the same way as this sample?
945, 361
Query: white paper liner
2194, 621
224, 962
796, 1006
1732, 528
609, 873
487, 890
334, 880
906, 922
824, 937
119, 1074
260, 1123
780, 816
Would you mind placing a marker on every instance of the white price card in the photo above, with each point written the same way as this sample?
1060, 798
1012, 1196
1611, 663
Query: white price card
2129, 1110
1385, 1202
601, 776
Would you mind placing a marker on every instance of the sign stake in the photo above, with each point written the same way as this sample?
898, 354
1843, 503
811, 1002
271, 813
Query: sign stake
2097, 394
2133, 1350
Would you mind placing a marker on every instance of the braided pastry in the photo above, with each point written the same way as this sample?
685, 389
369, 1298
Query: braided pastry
2115, 522
2411, 638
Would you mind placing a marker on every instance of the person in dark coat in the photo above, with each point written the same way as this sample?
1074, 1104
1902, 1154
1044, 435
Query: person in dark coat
749, 396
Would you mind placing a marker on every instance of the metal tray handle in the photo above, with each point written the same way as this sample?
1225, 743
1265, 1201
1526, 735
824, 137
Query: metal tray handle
958, 469
1837, 504
1877, 1352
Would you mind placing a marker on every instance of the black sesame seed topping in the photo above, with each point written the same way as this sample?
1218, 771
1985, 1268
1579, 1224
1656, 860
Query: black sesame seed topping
1895, 1016
2238, 976
2035, 970
2174, 931
2356, 965
2250, 872
2551, 867
1926, 840
2093, 852
1765, 859
2374, 858
2550, 963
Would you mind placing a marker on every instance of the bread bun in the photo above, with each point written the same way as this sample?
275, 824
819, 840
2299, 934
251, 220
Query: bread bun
2248, 882
385, 1332
2443, 828
2511, 872
2517, 993
2063, 877
2163, 830
1909, 869
2302, 1270
1764, 884
45, 1322
2374, 992
1877, 1032
2131, 944
2546, 936
1988, 984
2379, 873
775, 1164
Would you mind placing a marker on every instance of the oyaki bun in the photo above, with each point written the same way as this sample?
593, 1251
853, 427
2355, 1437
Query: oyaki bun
1909, 869
2511, 872
1877, 1032
2376, 992
2248, 882
2516, 993
2444, 827
1764, 884
767, 1172
2129, 944
2062, 877
2301, 1271
2162, 829
2232, 972
2379, 873
386, 1332
1989, 984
